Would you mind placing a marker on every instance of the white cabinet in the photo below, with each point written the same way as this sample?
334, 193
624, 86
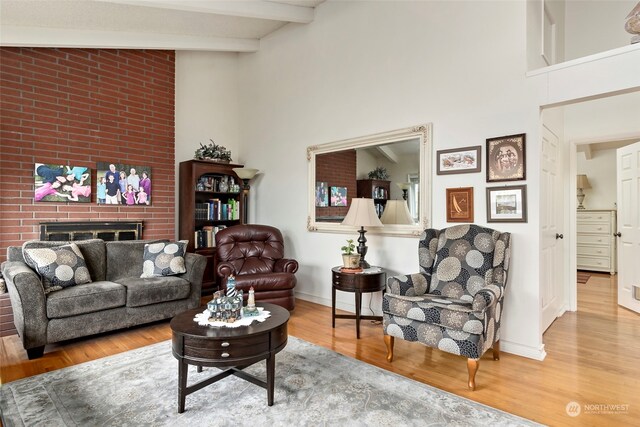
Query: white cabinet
596, 240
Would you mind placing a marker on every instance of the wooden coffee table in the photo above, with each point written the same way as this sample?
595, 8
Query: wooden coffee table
232, 348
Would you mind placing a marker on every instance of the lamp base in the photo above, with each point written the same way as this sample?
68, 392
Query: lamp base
362, 248
580, 196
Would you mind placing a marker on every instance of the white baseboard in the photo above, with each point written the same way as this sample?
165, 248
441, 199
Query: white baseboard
523, 350
350, 307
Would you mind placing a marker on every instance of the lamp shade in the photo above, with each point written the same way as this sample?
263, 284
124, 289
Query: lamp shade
396, 212
362, 213
245, 173
582, 182
403, 185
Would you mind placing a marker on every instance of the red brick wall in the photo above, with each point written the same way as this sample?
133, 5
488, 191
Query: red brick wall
78, 107
337, 170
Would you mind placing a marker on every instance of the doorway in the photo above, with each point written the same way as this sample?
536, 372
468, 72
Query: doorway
591, 129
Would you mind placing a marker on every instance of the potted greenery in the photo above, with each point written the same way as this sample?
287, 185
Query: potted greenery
350, 259
379, 173
213, 153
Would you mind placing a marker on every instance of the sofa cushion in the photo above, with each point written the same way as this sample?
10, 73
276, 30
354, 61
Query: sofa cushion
89, 298
60, 267
124, 258
164, 259
93, 251
449, 313
153, 290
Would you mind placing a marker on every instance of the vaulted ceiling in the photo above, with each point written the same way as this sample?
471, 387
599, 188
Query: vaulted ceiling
211, 25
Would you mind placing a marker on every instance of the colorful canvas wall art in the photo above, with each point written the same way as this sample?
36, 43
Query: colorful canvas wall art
123, 184
62, 183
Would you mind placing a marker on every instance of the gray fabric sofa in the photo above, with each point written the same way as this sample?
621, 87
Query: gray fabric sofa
116, 298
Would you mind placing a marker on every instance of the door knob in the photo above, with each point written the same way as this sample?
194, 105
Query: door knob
559, 236
618, 234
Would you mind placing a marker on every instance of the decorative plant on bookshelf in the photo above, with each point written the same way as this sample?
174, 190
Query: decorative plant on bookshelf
213, 152
350, 259
379, 173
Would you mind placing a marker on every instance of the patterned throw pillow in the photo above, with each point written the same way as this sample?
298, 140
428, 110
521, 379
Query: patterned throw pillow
164, 259
60, 267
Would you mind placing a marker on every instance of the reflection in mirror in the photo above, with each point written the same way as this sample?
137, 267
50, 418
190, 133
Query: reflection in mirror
391, 168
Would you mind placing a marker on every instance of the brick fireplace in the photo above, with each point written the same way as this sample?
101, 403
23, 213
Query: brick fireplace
80, 107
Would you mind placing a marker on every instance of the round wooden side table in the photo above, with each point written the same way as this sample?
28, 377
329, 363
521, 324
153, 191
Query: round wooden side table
369, 280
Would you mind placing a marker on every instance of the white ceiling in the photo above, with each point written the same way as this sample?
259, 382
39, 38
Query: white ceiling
214, 25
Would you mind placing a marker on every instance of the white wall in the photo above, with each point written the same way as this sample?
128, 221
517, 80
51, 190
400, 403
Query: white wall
595, 26
366, 67
206, 104
601, 172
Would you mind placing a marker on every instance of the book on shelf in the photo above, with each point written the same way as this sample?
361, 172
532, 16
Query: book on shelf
215, 210
206, 236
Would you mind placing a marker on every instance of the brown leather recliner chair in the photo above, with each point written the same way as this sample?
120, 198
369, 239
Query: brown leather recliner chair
254, 254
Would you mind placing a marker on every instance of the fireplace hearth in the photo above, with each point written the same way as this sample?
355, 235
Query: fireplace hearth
84, 230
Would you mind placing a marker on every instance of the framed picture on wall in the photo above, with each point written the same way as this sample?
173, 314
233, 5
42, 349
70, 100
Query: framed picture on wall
460, 204
506, 158
507, 204
459, 160
322, 194
338, 196
61, 183
123, 184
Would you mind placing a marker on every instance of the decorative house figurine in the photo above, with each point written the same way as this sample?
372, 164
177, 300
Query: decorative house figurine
225, 308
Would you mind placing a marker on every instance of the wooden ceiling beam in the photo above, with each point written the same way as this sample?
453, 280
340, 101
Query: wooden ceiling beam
19, 36
258, 9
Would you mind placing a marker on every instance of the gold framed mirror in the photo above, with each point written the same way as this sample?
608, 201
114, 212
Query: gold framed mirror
356, 167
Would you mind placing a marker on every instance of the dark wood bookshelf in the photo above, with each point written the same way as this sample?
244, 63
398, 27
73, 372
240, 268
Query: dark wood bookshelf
190, 173
376, 189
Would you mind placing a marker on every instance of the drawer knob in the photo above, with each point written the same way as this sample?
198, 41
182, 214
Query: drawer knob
618, 234
225, 344
225, 355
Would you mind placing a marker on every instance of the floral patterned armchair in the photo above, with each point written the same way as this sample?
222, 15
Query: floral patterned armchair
455, 302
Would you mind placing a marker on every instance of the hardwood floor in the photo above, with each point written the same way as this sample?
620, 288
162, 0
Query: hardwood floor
592, 359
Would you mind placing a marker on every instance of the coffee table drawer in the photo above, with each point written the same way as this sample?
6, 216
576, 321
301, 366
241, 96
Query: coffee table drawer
226, 348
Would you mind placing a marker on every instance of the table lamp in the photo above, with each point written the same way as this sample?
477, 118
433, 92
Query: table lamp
396, 212
404, 186
362, 213
246, 175
581, 183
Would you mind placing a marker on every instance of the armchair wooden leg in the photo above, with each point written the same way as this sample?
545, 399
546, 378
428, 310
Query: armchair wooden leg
389, 340
496, 350
472, 366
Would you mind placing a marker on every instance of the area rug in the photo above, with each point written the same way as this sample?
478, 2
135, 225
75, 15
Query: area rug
583, 277
314, 387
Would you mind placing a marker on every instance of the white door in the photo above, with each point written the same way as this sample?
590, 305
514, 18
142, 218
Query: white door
628, 184
552, 253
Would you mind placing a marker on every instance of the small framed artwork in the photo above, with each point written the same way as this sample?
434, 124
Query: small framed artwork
460, 204
507, 204
459, 160
322, 194
62, 183
338, 196
506, 158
